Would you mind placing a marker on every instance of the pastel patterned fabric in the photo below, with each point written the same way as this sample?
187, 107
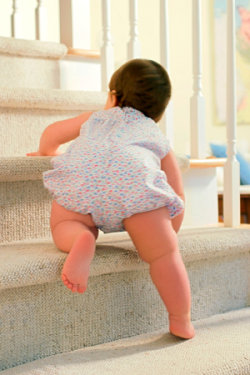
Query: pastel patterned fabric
112, 170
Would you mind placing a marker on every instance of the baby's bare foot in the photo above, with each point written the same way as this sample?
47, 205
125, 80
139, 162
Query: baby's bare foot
75, 271
181, 326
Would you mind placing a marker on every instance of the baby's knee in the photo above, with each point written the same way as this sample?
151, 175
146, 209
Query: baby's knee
151, 253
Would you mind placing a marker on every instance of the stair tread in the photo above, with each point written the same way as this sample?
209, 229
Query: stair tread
56, 99
32, 48
221, 346
39, 261
22, 168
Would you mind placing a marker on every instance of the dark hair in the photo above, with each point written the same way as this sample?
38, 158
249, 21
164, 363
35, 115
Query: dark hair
144, 85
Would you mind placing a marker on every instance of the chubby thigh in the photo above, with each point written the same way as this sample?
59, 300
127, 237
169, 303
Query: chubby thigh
60, 214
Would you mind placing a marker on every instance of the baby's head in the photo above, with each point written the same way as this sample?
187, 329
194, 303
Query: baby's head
142, 84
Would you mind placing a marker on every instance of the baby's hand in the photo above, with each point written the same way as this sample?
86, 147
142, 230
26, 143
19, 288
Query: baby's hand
37, 153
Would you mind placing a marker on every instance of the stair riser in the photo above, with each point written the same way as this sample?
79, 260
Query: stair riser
16, 142
18, 71
25, 211
42, 320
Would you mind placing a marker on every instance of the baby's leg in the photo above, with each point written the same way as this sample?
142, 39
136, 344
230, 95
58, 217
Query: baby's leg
156, 242
76, 234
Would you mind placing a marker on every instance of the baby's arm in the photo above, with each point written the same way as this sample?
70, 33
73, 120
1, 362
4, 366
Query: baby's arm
170, 166
59, 133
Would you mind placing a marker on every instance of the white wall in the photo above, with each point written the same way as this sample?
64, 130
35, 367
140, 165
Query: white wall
180, 57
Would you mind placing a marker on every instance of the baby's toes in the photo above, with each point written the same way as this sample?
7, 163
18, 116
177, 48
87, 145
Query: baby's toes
66, 282
74, 288
81, 289
71, 287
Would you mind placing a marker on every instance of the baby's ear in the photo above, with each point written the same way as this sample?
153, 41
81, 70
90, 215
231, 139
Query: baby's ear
111, 100
114, 98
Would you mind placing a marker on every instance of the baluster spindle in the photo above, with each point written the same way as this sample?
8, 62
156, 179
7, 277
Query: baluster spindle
167, 119
107, 52
231, 169
16, 17
197, 102
75, 23
41, 21
134, 49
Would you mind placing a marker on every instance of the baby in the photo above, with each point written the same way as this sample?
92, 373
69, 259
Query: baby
120, 174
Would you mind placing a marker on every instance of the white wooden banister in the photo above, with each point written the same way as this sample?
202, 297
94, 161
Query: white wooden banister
167, 121
197, 103
107, 52
75, 23
16, 26
231, 199
41, 21
134, 49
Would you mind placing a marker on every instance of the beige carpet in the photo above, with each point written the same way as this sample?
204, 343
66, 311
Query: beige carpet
30, 63
32, 48
56, 99
221, 347
115, 253
40, 317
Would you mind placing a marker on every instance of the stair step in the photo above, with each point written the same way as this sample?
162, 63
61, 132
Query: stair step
37, 108
115, 253
23, 199
40, 317
51, 99
221, 347
30, 63
32, 48
23, 168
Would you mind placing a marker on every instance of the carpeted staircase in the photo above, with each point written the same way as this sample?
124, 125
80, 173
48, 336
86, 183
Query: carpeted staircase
40, 319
